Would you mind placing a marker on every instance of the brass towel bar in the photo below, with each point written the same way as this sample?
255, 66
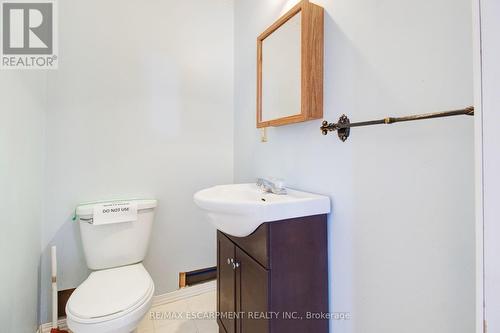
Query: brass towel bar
344, 125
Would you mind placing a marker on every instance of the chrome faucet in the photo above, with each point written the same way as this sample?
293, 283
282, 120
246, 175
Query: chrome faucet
273, 185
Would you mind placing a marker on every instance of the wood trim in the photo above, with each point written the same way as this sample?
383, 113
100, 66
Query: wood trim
312, 61
283, 19
312, 58
260, 124
182, 280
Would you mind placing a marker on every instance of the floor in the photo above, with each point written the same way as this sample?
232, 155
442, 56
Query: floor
191, 315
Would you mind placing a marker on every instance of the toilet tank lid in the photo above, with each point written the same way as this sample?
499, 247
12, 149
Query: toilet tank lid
88, 208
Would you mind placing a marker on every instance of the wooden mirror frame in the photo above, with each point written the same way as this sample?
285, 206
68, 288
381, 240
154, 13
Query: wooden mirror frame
312, 39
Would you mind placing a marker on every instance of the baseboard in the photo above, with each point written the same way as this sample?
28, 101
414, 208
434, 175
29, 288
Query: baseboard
45, 328
157, 300
184, 293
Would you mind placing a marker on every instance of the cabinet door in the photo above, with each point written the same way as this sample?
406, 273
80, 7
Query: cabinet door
252, 294
226, 293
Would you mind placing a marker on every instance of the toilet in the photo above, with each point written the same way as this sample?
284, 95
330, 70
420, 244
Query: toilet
119, 291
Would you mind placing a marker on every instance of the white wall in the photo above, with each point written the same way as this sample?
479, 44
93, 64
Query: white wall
489, 144
402, 232
22, 101
141, 106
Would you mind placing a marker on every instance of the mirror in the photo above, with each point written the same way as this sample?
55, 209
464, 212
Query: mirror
281, 71
290, 68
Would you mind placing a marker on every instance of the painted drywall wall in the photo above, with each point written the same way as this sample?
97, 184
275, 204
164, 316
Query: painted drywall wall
141, 106
22, 101
489, 81
401, 236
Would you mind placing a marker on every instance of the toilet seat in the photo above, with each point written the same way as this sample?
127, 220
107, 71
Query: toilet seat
117, 295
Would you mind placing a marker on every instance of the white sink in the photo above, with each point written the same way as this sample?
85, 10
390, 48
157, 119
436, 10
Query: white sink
239, 209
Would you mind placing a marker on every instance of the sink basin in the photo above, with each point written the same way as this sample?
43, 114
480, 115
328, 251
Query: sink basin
239, 209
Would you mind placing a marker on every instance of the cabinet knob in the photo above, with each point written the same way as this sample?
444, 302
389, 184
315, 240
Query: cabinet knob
236, 264
229, 261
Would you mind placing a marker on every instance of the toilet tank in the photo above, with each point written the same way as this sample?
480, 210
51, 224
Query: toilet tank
116, 244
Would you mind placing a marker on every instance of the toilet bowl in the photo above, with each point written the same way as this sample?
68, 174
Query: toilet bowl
111, 301
119, 292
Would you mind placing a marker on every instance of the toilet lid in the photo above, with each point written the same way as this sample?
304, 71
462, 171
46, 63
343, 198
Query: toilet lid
110, 291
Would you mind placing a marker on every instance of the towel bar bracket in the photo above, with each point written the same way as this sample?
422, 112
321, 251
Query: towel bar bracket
343, 132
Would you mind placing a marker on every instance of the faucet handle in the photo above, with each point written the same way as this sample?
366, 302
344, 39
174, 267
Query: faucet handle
278, 186
273, 185
278, 183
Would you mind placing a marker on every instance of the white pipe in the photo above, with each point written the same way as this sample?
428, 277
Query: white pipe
54, 287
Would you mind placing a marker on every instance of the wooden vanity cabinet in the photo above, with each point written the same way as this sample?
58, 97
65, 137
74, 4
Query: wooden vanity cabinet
268, 281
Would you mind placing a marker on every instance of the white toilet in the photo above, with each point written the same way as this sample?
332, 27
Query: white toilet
117, 295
